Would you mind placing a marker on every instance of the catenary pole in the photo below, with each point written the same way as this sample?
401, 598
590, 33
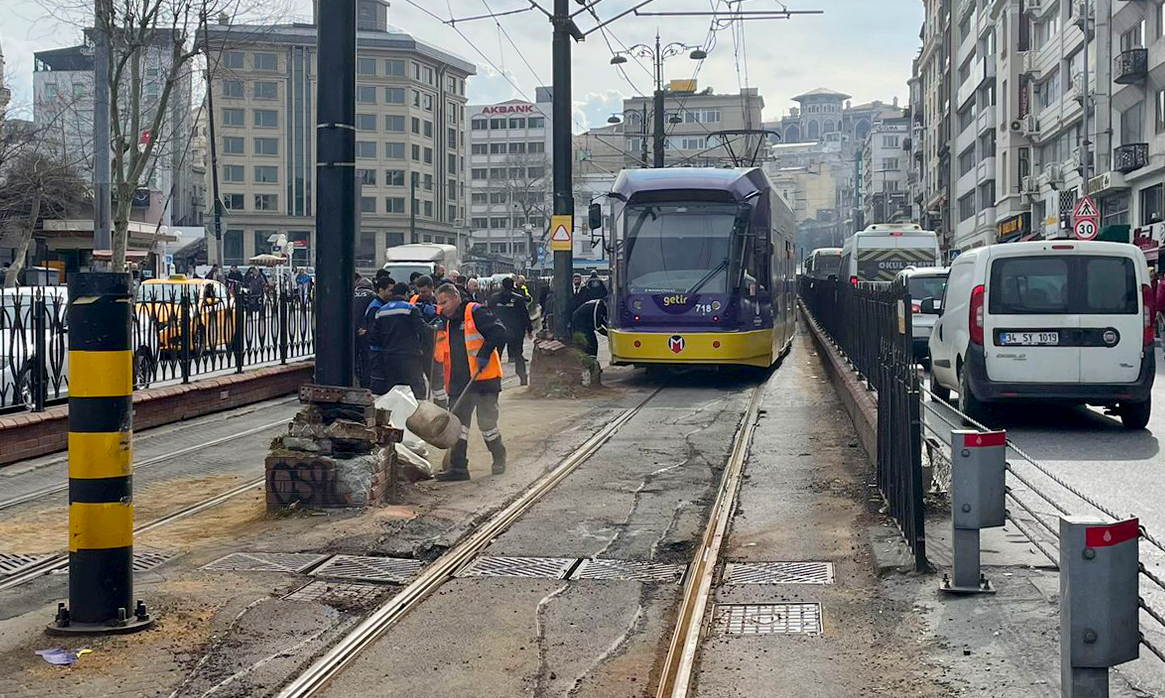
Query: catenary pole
102, 194
563, 152
336, 193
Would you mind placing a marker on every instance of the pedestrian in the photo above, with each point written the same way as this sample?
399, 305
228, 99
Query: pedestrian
395, 340
235, 276
470, 345
474, 289
596, 289
362, 297
439, 274
426, 302
510, 307
215, 273
413, 279
589, 318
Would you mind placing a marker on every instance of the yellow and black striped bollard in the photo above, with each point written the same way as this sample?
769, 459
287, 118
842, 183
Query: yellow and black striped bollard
100, 318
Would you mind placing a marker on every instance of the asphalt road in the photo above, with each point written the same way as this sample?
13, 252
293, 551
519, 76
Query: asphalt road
1121, 470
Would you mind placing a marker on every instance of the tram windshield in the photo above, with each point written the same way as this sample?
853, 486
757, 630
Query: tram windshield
678, 247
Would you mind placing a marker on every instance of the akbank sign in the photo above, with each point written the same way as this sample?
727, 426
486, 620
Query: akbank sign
500, 109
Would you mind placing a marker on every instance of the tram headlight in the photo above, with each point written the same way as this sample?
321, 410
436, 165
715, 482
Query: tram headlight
715, 305
637, 305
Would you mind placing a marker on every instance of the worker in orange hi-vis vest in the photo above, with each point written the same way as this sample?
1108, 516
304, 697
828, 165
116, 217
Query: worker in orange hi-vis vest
468, 352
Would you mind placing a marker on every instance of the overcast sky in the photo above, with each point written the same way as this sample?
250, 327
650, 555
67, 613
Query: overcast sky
860, 47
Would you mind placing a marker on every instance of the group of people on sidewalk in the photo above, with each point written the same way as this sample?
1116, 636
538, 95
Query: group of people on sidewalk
435, 335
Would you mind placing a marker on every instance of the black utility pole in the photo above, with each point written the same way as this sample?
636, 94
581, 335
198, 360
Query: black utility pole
564, 29
335, 192
659, 95
218, 252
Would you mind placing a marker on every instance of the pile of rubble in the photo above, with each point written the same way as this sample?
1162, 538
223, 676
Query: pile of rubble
339, 451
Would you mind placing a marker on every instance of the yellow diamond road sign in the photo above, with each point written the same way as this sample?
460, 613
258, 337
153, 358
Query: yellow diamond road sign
561, 231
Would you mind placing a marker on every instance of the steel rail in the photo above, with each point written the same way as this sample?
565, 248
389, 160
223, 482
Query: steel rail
63, 486
344, 652
676, 677
60, 561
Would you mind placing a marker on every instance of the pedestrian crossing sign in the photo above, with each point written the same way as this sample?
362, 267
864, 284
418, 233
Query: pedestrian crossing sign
1085, 208
561, 233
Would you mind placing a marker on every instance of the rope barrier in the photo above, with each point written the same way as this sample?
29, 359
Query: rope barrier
1154, 650
1152, 613
1035, 491
1152, 577
1034, 515
1032, 538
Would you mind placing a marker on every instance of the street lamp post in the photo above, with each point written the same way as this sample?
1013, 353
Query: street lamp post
658, 55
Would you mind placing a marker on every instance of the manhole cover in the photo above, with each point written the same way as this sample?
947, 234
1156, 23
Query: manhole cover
385, 570
145, 560
265, 562
545, 567
628, 570
778, 573
342, 594
767, 619
11, 563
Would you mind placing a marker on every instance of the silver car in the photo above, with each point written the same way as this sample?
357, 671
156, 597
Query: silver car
923, 283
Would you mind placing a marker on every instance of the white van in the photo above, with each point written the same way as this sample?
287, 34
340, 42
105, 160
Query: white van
823, 263
882, 250
1054, 321
422, 258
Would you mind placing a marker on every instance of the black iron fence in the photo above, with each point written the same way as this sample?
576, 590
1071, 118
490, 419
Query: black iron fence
871, 325
181, 331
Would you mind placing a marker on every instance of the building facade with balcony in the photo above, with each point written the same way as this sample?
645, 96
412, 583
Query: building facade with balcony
510, 176
411, 128
930, 115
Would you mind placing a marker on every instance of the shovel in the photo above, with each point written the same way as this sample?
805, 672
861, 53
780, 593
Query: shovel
436, 425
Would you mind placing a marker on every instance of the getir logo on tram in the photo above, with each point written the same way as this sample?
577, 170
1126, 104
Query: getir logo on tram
678, 299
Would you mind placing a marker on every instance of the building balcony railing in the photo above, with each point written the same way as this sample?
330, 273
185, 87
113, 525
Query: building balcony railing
1133, 156
1131, 66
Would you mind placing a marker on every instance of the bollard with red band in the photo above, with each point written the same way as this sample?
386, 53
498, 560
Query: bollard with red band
978, 471
1099, 622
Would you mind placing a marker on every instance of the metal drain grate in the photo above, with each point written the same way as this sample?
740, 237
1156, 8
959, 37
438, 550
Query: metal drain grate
342, 594
383, 570
11, 563
778, 573
145, 559
265, 562
535, 567
767, 619
629, 570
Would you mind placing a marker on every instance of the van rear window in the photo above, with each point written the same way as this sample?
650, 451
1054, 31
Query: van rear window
1068, 284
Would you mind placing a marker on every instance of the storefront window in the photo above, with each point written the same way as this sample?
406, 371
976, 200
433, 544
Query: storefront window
1114, 211
1152, 209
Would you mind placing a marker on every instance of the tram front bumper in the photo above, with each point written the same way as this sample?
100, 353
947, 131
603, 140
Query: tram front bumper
754, 348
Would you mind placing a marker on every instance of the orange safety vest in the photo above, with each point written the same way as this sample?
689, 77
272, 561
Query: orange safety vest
474, 341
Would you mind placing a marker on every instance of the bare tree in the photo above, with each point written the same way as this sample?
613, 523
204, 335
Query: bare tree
35, 186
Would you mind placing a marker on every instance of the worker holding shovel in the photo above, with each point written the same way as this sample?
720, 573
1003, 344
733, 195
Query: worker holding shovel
472, 366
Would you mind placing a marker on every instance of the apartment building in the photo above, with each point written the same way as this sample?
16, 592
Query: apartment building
885, 167
930, 122
63, 111
410, 137
510, 175
692, 119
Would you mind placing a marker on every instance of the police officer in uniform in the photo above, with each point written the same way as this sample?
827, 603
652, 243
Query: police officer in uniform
469, 348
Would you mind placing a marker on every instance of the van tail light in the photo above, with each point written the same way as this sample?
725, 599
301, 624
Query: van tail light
975, 321
853, 281
915, 307
1147, 302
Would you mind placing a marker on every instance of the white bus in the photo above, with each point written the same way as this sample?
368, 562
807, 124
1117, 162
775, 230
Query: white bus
882, 250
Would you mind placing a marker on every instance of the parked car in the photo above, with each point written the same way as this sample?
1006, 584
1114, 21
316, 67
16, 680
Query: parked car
923, 283
159, 326
18, 345
1048, 321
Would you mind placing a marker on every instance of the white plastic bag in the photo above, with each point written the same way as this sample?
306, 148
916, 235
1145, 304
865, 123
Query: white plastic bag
401, 404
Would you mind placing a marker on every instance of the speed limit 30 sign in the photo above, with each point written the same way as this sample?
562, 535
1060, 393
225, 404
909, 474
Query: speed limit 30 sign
1086, 228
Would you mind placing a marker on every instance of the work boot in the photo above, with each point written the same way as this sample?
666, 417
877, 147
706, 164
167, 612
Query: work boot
458, 469
499, 453
520, 367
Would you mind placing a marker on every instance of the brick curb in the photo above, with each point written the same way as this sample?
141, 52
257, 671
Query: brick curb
859, 402
35, 434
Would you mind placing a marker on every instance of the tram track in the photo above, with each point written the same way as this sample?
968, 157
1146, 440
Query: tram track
59, 487
697, 584
60, 561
